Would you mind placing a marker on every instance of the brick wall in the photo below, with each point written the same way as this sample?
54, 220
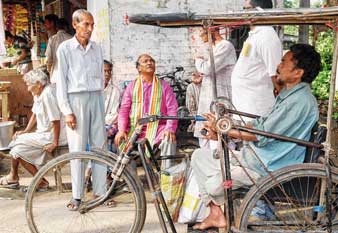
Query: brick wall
170, 47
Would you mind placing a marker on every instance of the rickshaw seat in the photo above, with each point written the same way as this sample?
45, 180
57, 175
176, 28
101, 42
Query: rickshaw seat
312, 155
318, 135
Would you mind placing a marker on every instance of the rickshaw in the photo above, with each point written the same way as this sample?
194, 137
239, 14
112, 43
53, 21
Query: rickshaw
302, 198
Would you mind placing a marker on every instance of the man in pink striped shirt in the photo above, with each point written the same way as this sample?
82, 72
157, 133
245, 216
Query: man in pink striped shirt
168, 106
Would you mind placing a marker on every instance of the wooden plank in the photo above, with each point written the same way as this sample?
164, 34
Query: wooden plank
267, 17
20, 99
4, 105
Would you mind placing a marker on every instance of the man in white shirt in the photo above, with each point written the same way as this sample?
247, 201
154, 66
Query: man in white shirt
225, 59
112, 95
49, 25
53, 44
253, 76
79, 87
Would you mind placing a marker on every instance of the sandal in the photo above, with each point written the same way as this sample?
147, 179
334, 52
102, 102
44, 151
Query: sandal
110, 203
43, 187
74, 204
4, 183
39, 189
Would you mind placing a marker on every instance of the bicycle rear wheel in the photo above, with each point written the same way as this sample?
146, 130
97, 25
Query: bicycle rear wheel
290, 202
47, 211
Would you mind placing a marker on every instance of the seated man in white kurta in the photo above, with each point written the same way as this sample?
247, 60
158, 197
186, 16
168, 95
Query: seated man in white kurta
30, 148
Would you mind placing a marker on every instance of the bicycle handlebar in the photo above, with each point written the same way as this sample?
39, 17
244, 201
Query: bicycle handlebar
153, 118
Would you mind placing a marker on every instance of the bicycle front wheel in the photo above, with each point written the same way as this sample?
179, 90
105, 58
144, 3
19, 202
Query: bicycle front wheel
47, 212
291, 201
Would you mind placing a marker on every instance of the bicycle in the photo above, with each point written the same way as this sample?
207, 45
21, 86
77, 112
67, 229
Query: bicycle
177, 83
93, 215
179, 87
306, 209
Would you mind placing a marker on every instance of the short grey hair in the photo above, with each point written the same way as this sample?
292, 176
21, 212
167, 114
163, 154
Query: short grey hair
76, 17
35, 76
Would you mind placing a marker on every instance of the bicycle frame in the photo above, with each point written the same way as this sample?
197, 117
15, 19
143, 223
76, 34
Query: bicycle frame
152, 180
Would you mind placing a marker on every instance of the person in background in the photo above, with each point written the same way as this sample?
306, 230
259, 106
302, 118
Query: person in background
113, 96
30, 148
52, 46
50, 24
192, 96
23, 59
225, 59
253, 78
149, 95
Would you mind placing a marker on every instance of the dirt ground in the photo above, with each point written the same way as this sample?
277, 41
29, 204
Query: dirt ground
12, 215
12, 212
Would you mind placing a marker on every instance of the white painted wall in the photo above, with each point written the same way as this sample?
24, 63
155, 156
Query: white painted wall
170, 47
100, 12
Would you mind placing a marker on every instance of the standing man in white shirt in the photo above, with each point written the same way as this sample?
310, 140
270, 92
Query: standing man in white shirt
254, 73
53, 44
225, 59
79, 87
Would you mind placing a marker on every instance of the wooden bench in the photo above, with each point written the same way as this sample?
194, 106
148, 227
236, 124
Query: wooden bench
60, 150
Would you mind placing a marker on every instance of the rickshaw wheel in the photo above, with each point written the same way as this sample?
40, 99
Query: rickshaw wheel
289, 201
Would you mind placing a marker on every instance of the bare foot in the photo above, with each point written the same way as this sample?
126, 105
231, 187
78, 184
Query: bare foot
215, 219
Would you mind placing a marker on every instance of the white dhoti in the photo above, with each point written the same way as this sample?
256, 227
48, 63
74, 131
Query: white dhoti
88, 108
30, 147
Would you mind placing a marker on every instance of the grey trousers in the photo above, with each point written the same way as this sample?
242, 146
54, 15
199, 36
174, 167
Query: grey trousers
88, 108
207, 171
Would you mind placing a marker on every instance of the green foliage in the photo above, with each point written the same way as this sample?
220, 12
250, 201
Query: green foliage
335, 107
291, 30
324, 45
11, 52
321, 85
291, 3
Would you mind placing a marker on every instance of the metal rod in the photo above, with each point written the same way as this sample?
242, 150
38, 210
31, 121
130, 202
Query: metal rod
155, 186
228, 191
173, 157
241, 113
331, 98
279, 137
328, 135
153, 118
159, 194
207, 25
152, 188
145, 142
